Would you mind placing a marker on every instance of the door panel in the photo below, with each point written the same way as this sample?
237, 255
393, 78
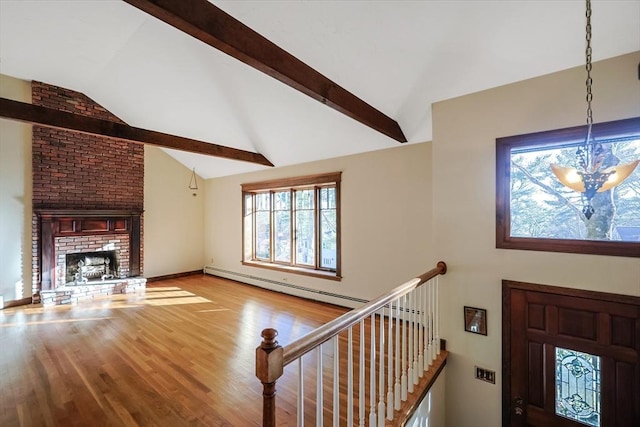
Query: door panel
590, 340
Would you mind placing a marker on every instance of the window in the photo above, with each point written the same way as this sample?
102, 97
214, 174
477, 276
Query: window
293, 225
534, 211
578, 386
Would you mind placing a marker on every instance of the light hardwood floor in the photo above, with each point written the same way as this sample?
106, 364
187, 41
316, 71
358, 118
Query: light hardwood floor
181, 353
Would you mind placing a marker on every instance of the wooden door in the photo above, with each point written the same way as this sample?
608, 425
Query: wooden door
570, 357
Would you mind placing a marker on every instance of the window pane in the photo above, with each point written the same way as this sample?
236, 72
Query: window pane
578, 386
305, 249
542, 207
328, 228
263, 201
248, 205
263, 234
282, 238
263, 226
282, 225
304, 199
282, 200
328, 198
248, 227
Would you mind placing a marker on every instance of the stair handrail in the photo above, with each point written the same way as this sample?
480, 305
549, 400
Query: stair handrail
322, 334
271, 358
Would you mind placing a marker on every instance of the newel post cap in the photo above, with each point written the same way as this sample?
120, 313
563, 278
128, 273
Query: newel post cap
269, 357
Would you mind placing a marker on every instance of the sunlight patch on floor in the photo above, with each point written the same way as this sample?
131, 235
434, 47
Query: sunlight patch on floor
45, 322
162, 288
157, 296
175, 301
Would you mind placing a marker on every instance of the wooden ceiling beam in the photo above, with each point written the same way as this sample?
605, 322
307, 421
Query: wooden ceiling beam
213, 26
50, 117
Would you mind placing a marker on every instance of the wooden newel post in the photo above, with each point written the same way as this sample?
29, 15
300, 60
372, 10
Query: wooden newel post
269, 367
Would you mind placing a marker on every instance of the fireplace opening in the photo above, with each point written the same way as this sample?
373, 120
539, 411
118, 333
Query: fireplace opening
87, 267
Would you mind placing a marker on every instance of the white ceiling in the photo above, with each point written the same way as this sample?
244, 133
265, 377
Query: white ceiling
398, 56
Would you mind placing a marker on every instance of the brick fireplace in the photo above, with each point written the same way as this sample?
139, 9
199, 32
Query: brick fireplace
87, 197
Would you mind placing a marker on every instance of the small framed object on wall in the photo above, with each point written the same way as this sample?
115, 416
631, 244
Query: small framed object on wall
475, 320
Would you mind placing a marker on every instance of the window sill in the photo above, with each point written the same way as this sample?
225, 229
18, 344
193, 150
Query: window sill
295, 270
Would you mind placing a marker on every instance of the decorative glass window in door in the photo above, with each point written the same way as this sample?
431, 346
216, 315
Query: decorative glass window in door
578, 386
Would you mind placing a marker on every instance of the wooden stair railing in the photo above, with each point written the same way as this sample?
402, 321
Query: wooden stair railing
407, 318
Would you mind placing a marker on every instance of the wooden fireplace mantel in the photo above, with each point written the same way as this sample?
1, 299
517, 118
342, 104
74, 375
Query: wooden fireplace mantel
54, 223
86, 213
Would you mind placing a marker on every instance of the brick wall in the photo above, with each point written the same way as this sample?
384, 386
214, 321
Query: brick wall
72, 245
72, 170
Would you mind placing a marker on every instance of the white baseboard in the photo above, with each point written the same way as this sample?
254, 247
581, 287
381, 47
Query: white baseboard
287, 288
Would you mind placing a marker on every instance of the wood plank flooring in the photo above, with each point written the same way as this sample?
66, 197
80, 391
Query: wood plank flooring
180, 354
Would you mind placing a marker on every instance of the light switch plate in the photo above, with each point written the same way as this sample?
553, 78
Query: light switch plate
485, 374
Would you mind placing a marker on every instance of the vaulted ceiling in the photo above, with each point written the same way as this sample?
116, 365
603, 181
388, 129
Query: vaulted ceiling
397, 56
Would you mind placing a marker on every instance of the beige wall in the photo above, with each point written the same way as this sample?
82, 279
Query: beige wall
15, 197
386, 221
431, 411
465, 130
173, 216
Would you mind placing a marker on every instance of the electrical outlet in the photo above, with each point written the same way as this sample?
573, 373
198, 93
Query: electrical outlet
485, 374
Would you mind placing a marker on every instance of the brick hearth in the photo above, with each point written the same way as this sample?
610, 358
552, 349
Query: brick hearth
77, 293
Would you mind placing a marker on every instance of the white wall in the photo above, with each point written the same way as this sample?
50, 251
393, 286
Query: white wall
386, 221
465, 130
431, 411
15, 197
173, 216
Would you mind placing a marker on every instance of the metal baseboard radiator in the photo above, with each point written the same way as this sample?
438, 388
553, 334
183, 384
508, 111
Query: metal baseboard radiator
279, 286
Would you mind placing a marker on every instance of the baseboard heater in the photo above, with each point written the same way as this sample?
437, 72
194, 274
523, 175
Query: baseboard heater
280, 286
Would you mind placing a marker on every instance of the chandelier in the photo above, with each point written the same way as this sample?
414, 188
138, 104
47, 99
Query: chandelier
589, 177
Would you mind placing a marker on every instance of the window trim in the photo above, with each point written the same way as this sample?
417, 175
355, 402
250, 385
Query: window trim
504, 240
297, 183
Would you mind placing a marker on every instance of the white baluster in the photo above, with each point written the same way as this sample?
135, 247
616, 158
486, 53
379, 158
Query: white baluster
415, 336
300, 393
410, 347
350, 380
372, 374
396, 388
427, 355
319, 389
381, 407
425, 323
390, 364
336, 382
430, 321
433, 324
420, 316
403, 379
437, 304
361, 376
